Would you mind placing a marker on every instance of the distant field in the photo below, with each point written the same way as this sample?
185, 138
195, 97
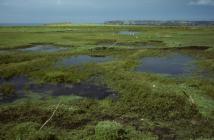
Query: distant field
109, 82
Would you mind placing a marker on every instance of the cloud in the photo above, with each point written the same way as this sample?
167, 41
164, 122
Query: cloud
202, 2
48, 3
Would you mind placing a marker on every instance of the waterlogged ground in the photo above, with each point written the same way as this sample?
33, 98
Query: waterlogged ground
106, 83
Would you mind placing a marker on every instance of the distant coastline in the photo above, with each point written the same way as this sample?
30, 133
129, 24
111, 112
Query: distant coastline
122, 22
161, 22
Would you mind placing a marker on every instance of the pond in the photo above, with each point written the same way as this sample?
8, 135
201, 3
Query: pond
43, 48
24, 88
11, 90
83, 90
82, 59
131, 33
175, 64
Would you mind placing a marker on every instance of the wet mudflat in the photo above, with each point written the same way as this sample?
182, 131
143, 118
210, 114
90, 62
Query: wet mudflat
43, 48
174, 64
22, 87
82, 59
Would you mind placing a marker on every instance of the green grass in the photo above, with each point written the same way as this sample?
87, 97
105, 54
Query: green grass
149, 106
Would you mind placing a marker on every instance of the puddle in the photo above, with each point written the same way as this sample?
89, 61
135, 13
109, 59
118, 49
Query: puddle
83, 90
17, 84
176, 64
83, 59
105, 41
148, 46
193, 48
43, 48
131, 33
3, 51
24, 88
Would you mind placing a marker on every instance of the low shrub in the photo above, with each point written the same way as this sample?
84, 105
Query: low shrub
107, 130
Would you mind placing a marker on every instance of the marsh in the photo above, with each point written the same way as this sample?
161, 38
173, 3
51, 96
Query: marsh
136, 86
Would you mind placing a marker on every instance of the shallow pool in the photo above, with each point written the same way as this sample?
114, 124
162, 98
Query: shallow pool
82, 59
43, 48
27, 89
131, 33
176, 64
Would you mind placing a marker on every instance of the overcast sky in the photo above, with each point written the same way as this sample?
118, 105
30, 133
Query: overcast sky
92, 11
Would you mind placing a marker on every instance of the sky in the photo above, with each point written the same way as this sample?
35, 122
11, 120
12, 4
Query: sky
98, 11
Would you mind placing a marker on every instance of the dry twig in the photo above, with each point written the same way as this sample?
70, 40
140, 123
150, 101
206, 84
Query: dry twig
51, 116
